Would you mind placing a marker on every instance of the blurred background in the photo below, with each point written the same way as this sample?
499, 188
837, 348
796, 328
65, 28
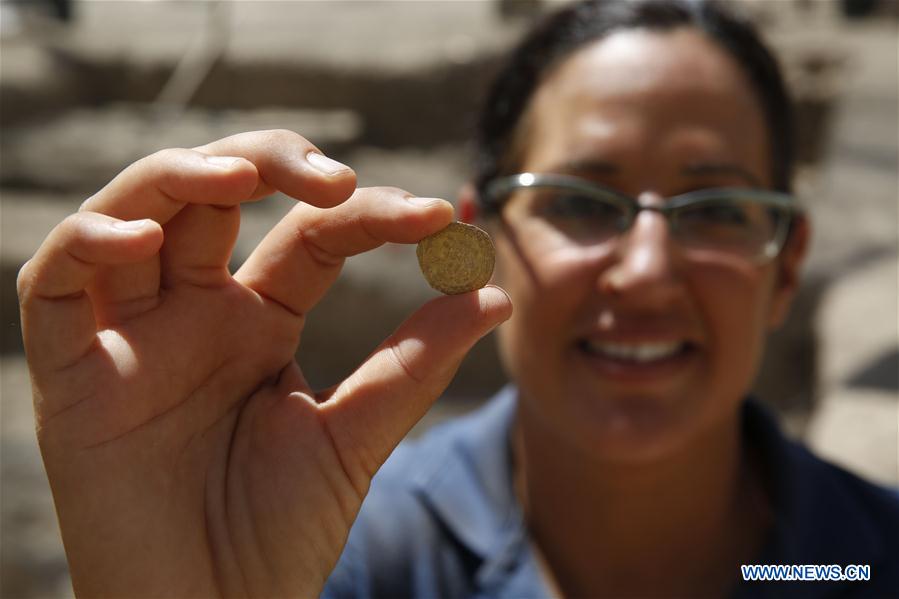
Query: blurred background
86, 87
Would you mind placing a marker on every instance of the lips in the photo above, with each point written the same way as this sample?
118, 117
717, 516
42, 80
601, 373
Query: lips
638, 362
640, 352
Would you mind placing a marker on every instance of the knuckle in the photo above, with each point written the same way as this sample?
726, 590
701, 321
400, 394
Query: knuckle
164, 156
168, 170
391, 192
73, 232
70, 227
155, 162
158, 166
286, 137
62, 234
402, 361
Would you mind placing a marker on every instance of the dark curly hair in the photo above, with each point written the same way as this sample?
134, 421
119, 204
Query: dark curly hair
561, 33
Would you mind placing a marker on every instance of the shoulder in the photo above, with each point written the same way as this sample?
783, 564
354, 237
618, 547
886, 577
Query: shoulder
825, 514
808, 484
845, 503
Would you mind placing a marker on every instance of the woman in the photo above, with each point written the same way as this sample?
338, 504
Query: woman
626, 460
188, 457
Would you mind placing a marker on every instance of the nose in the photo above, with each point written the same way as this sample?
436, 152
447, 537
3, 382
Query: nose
645, 266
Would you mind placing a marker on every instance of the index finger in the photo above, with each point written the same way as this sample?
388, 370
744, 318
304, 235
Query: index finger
288, 162
235, 169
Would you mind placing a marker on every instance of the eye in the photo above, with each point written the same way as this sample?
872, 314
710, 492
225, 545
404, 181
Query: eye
719, 213
582, 217
568, 204
728, 222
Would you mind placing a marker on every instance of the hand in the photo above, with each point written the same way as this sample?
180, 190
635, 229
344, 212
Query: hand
187, 455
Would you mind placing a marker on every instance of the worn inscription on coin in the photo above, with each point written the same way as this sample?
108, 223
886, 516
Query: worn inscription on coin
456, 259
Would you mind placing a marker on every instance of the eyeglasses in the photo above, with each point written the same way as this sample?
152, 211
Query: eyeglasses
750, 223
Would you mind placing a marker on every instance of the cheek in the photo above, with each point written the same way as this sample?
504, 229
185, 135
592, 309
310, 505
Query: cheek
548, 269
549, 295
548, 288
734, 301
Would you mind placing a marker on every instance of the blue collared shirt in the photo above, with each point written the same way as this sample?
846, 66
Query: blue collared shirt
441, 519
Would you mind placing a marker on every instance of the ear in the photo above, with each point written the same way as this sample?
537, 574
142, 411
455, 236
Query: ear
468, 204
789, 263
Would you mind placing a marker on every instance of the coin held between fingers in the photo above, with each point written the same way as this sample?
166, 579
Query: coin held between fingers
457, 259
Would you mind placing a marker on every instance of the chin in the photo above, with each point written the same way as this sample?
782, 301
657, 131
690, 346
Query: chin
630, 429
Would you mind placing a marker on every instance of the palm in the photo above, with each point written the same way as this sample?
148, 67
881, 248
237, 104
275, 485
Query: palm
186, 454
193, 357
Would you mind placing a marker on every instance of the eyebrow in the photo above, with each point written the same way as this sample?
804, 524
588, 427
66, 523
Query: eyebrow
722, 168
601, 167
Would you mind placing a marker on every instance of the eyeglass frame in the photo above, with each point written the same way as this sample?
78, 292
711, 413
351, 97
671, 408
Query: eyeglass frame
506, 186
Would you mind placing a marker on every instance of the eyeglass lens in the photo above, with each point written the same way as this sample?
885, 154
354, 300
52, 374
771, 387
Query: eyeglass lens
729, 223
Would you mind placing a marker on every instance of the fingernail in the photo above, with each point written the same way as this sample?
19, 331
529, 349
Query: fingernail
131, 225
424, 202
222, 161
325, 164
498, 288
508, 314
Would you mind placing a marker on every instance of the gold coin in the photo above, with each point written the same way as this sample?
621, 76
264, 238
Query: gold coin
456, 259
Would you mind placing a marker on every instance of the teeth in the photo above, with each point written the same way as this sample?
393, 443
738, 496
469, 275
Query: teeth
635, 352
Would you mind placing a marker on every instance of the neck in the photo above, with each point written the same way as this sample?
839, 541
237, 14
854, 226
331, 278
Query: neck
680, 525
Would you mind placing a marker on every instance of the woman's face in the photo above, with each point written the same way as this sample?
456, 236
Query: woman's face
634, 350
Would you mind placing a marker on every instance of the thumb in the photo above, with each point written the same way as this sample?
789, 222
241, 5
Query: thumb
370, 412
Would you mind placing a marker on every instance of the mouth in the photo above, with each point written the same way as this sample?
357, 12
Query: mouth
637, 353
637, 360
